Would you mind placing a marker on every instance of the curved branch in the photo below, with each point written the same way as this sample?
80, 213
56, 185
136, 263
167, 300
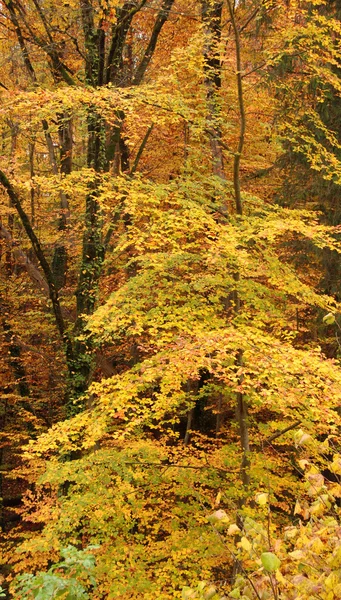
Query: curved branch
53, 293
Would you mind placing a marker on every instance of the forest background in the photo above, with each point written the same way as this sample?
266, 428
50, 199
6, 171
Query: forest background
169, 299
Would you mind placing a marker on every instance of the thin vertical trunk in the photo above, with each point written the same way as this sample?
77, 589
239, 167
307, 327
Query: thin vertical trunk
16, 362
32, 194
241, 407
219, 416
211, 15
65, 151
242, 115
242, 418
11, 405
10, 265
188, 426
192, 389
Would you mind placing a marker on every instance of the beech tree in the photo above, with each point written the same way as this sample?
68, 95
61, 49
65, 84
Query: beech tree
96, 58
201, 460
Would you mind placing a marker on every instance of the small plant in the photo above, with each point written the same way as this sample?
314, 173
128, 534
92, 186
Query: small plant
70, 579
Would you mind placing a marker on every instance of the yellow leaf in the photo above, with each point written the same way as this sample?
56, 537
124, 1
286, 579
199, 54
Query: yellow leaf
280, 577
336, 464
262, 499
303, 463
297, 554
233, 529
245, 544
218, 498
298, 508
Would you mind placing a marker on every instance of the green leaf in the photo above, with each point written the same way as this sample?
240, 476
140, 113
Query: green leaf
270, 561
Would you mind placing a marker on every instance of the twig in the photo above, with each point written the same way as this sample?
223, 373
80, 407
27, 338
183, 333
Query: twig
141, 148
167, 463
279, 433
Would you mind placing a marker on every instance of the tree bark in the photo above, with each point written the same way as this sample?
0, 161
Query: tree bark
211, 16
241, 407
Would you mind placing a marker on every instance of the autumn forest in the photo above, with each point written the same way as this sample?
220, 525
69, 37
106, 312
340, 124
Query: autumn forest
170, 299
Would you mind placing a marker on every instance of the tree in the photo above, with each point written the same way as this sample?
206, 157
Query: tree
311, 131
60, 50
192, 293
96, 60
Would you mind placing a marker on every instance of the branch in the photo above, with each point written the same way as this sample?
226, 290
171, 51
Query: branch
282, 432
159, 23
190, 122
168, 464
22, 258
33, 272
125, 15
53, 293
53, 162
140, 151
21, 40
263, 64
42, 17
251, 17
131, 174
